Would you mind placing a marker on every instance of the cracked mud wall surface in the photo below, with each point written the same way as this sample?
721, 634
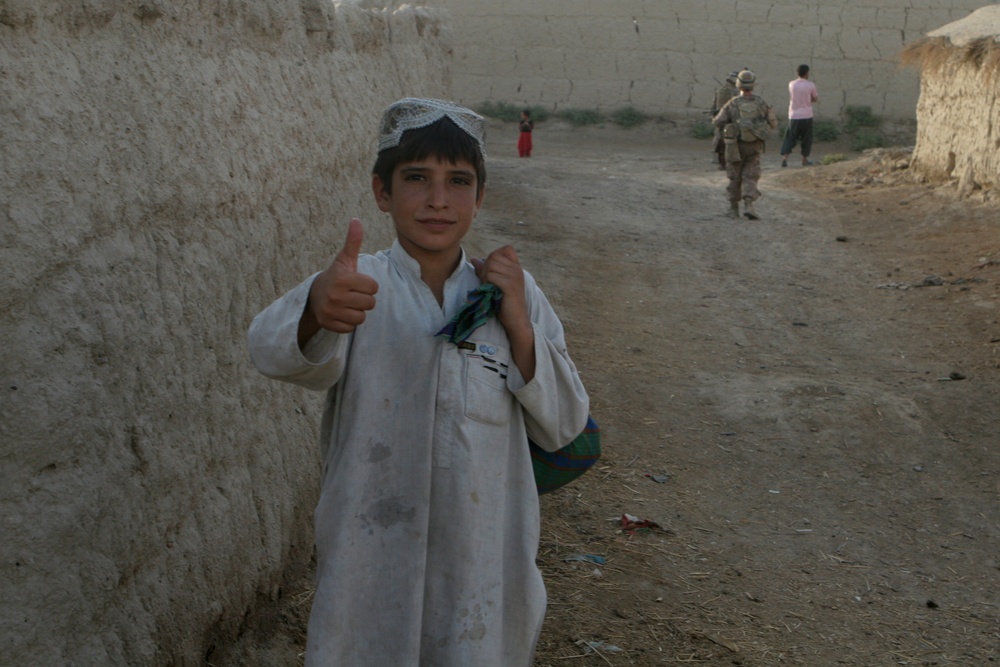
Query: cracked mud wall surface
166, 170
958, 115
669, 57
958, 120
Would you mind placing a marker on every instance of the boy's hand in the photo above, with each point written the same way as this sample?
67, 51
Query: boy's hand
503, 269
340, 296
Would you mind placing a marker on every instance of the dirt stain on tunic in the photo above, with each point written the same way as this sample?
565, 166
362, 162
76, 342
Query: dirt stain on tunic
388, 512
378, 453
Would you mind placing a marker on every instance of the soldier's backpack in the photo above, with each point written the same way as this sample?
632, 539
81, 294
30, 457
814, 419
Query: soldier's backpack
752, 119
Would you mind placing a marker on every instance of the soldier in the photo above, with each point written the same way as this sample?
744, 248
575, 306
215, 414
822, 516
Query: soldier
726, 92
746, 122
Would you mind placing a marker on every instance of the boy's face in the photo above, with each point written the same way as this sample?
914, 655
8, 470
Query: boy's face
433, 203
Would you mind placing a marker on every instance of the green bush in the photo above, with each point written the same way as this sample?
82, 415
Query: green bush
628, 117
510, 113
539, 114
503, 110
703, 130
864, 139
580, 116
860, 116
825, 130
834, 157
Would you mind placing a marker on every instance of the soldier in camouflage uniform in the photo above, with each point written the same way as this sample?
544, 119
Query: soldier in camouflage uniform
746, 122
726, 92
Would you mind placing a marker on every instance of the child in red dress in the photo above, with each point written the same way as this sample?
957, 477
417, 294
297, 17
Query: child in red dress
524, 139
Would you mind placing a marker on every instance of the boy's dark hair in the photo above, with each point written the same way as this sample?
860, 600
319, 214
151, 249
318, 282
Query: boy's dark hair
442, 139
803, 70
526, 112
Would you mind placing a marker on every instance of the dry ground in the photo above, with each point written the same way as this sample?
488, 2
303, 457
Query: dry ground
806, 405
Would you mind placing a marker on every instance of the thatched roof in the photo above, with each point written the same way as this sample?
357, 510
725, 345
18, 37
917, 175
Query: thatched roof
974, 40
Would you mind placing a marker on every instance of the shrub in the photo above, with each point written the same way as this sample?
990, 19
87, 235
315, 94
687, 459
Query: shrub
502, 110
580, 116
511, 113
703, 130
865, 139
825, 130
539, 113
860, 116
628, 117
834, 157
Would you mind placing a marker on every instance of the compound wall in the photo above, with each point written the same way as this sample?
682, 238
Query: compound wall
166, 169
666, 57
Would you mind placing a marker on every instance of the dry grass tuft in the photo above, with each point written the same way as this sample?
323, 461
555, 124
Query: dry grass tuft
934, 54
927, 53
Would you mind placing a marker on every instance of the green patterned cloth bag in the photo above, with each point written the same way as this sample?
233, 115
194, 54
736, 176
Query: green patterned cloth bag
559, 468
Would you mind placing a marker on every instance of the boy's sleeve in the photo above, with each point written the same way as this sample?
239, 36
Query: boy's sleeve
274, 347
555, 402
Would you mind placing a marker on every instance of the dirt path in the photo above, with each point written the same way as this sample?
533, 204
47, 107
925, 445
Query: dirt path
831, 496
771, 396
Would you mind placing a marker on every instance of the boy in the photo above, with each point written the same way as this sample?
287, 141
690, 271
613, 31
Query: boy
427, 524
801, 96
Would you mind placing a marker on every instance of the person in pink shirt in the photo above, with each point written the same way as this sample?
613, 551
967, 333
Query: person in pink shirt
801, 95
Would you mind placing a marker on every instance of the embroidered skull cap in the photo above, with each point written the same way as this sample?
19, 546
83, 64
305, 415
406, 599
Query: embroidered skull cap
411, 113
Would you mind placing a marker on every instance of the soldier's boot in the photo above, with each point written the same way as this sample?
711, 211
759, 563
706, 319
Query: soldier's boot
734, 209
748, 209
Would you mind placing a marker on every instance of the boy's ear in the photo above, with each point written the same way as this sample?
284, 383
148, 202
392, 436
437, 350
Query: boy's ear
479, 200
382, 198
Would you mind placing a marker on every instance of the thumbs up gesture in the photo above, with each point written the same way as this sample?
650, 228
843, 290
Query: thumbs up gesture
339, 296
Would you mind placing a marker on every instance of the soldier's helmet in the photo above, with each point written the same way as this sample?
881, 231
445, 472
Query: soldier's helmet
745, 80
732, 76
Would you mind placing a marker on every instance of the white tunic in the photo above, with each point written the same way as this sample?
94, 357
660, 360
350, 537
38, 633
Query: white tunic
427, 525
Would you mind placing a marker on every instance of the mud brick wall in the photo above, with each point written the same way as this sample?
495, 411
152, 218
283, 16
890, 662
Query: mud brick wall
958, 116
665, 58
166, 169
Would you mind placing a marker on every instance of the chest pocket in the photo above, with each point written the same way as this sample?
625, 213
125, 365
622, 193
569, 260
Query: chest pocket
487, 398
